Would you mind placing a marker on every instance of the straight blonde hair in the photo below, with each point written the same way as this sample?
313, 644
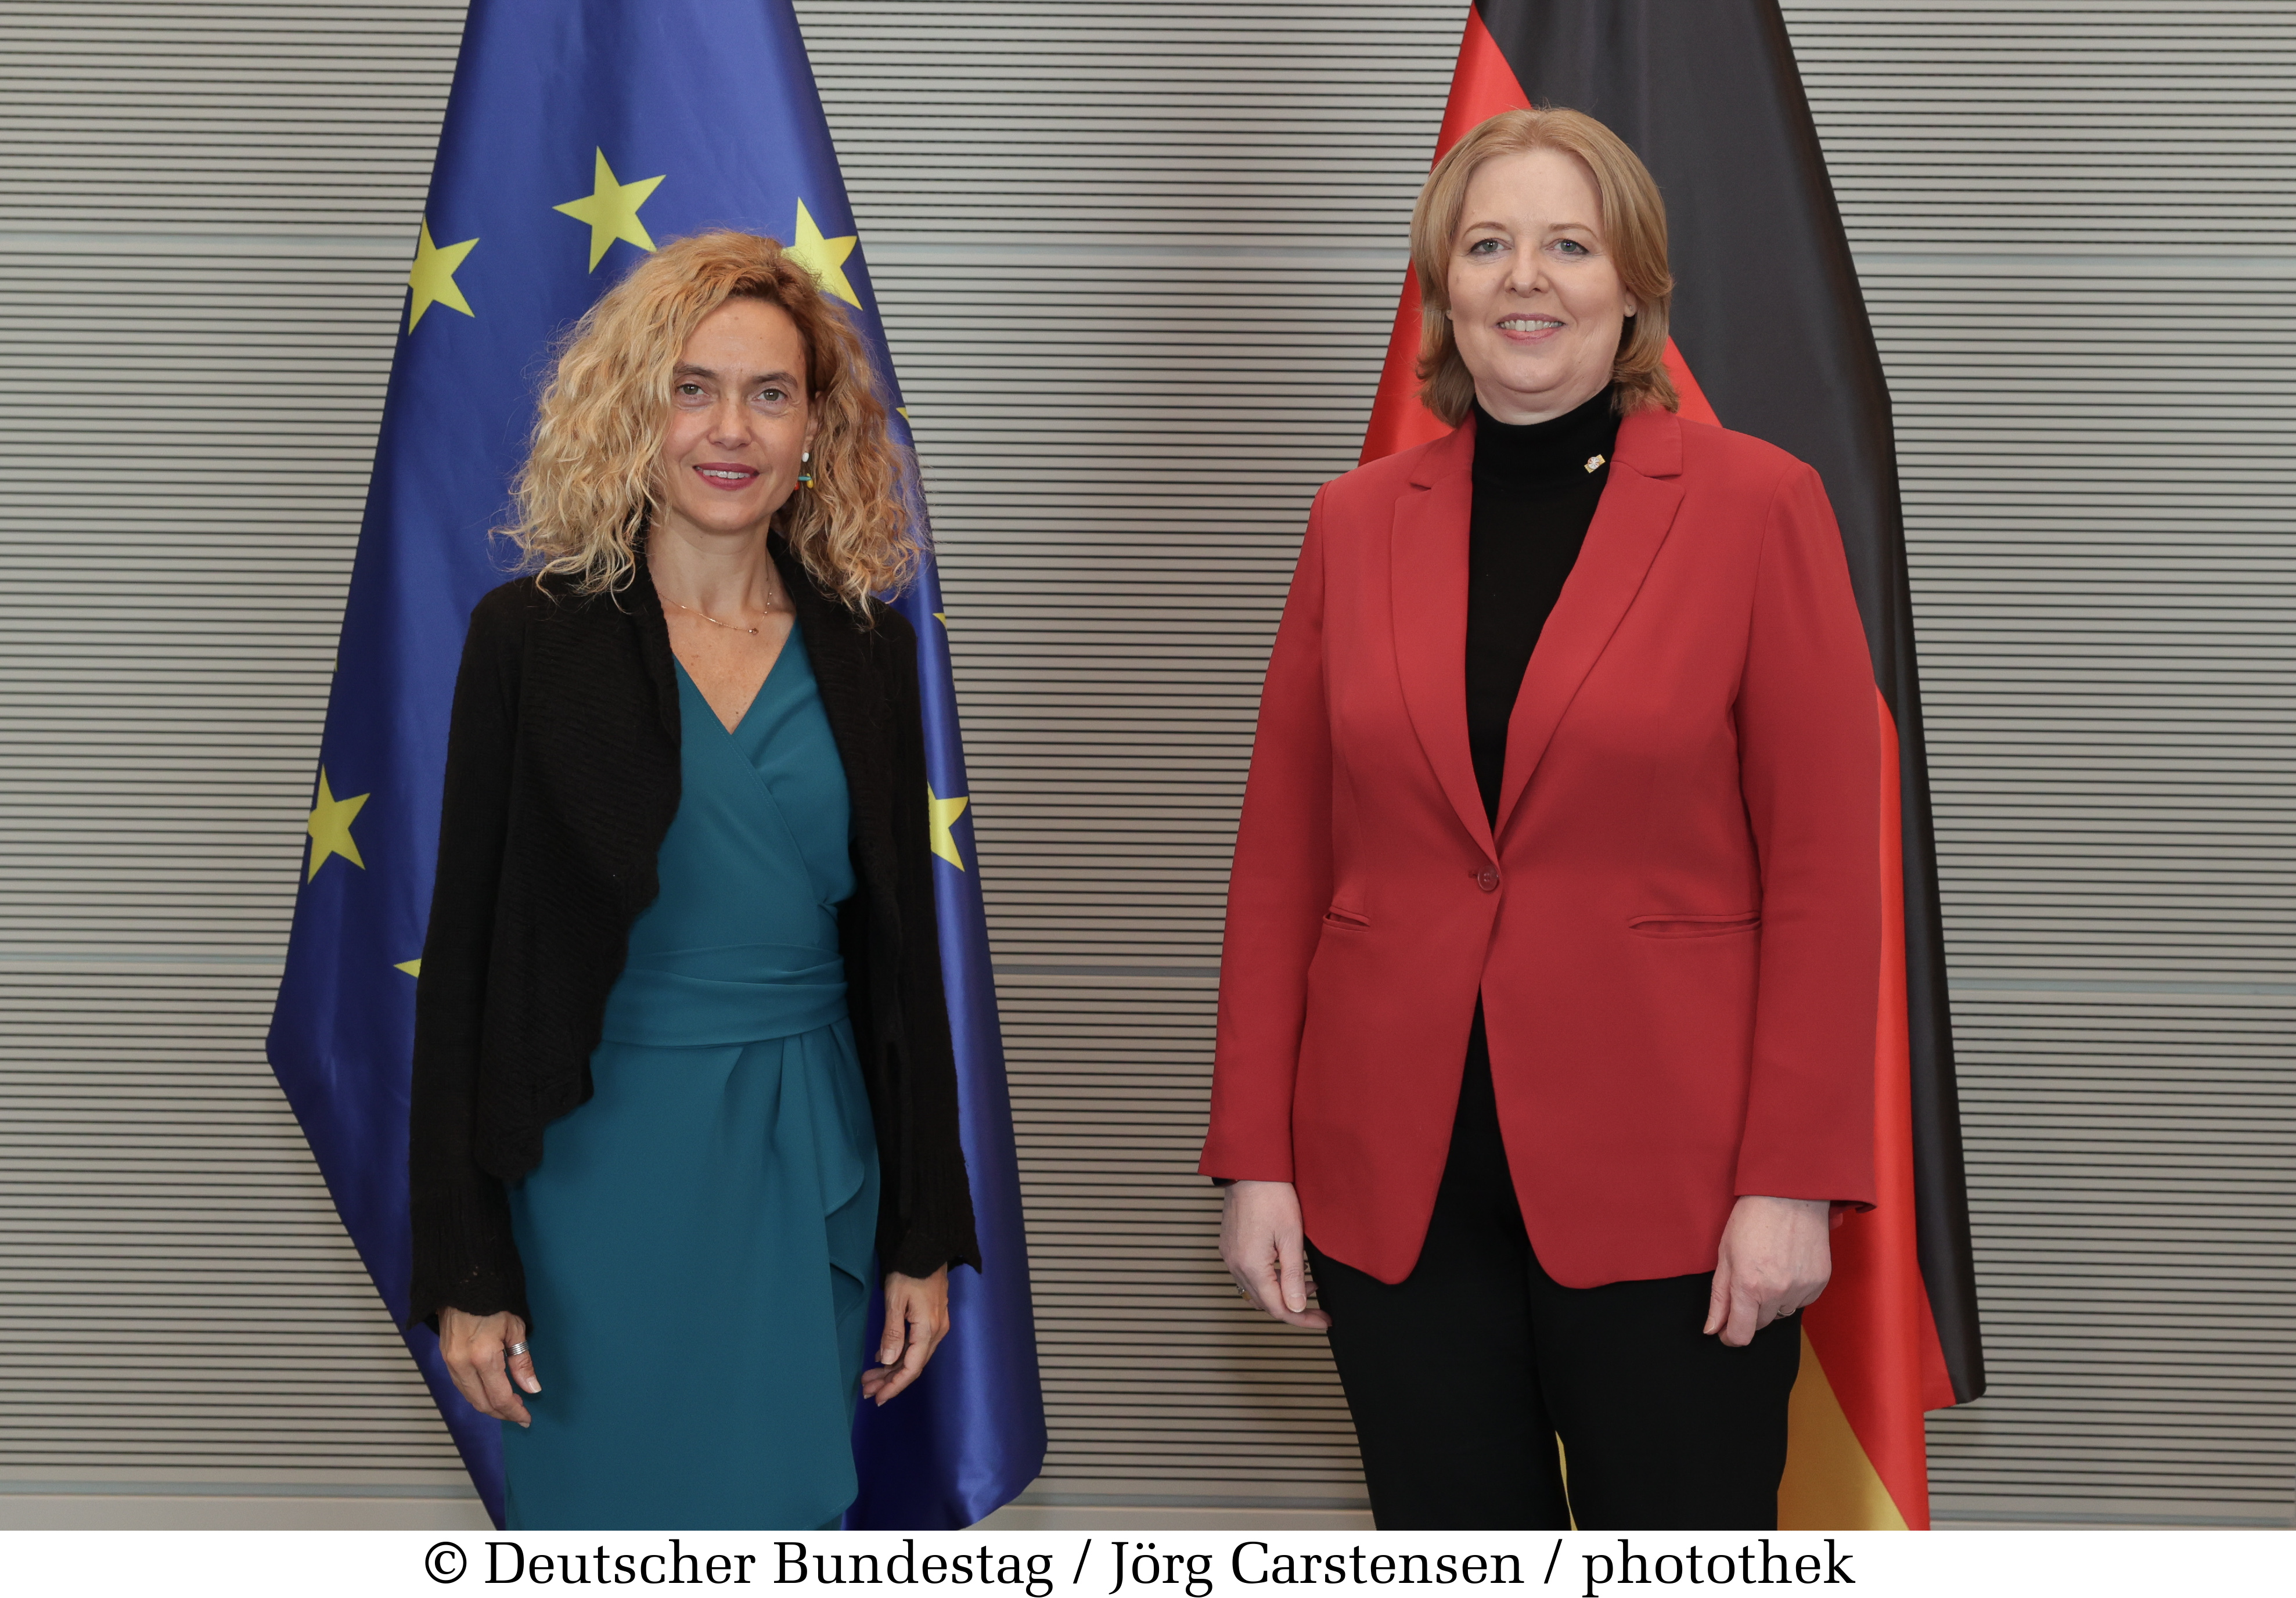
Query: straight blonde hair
1634, 229
590, 485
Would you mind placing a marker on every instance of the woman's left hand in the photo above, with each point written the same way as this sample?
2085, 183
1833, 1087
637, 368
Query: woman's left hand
1776, 1257
916, 1318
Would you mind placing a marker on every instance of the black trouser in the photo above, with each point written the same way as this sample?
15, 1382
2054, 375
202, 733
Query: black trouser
1462, 1376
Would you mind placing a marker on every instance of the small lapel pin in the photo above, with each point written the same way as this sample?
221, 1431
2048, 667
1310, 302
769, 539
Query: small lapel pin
1594, 461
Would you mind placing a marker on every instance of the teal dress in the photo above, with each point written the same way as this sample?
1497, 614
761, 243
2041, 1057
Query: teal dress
697, 1239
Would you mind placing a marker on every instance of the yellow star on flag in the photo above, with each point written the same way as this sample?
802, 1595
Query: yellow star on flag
612, 210
824, 257
433, 276
330, 827
413, 968
944, 812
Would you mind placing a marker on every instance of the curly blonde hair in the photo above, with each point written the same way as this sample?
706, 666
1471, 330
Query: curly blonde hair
1633, 227
590, 484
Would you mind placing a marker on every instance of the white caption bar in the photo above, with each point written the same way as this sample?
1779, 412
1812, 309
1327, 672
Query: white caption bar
1047, 1564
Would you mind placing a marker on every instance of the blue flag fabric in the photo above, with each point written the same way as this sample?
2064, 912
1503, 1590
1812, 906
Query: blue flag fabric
579, 134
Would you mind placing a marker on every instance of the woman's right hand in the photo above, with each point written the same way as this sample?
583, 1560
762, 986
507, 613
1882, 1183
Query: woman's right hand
1264, 1247
475, 1348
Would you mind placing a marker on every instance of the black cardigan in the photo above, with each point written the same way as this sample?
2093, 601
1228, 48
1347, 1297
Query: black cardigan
562, 780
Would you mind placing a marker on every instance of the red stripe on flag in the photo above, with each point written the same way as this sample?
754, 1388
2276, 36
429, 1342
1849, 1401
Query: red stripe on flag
1692, 398
1483, 86
1873, 1329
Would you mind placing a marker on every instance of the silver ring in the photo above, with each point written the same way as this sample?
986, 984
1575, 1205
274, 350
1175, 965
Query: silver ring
514, 1350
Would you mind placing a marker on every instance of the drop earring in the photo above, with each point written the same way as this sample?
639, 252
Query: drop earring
804, 469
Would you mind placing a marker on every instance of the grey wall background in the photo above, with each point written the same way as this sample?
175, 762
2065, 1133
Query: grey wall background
1137, 264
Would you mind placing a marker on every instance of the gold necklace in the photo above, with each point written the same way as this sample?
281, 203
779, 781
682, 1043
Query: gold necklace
731, 626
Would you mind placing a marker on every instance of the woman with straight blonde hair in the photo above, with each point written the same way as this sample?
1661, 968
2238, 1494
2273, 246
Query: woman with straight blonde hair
682, 1064
1547, 1005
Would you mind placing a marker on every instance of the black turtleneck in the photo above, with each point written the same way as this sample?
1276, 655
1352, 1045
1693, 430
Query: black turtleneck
1534, 498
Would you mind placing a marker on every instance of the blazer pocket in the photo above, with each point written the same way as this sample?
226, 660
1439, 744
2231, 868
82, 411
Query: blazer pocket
1338, 915
1694, 926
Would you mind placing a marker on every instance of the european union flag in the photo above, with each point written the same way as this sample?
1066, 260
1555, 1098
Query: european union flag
579, 133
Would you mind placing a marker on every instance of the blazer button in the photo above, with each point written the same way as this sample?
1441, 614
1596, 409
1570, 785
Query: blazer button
1487, 879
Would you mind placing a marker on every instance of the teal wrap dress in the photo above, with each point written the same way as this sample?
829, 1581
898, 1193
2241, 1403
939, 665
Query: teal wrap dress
698, 1237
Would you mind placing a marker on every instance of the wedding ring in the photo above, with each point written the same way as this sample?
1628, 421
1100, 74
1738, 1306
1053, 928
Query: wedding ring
515, 1350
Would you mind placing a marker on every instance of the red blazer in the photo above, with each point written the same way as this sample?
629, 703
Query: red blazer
1677, 929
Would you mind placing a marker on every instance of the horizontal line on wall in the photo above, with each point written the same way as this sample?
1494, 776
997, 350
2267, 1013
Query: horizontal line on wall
1001, 247
2102, 257
1054, 1498
178, 1487
997, 246
2062, 985
11, 959
396, 243
1005, 969
993, 247
2009, 1518
94, 964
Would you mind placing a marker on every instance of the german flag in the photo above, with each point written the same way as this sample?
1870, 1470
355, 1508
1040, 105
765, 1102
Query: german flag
1768, 317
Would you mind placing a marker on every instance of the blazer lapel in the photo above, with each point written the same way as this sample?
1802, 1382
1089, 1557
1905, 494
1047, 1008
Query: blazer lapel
1427, 586
1631, 522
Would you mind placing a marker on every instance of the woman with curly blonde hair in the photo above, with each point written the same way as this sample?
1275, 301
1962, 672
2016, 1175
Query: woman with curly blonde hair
680, 1017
